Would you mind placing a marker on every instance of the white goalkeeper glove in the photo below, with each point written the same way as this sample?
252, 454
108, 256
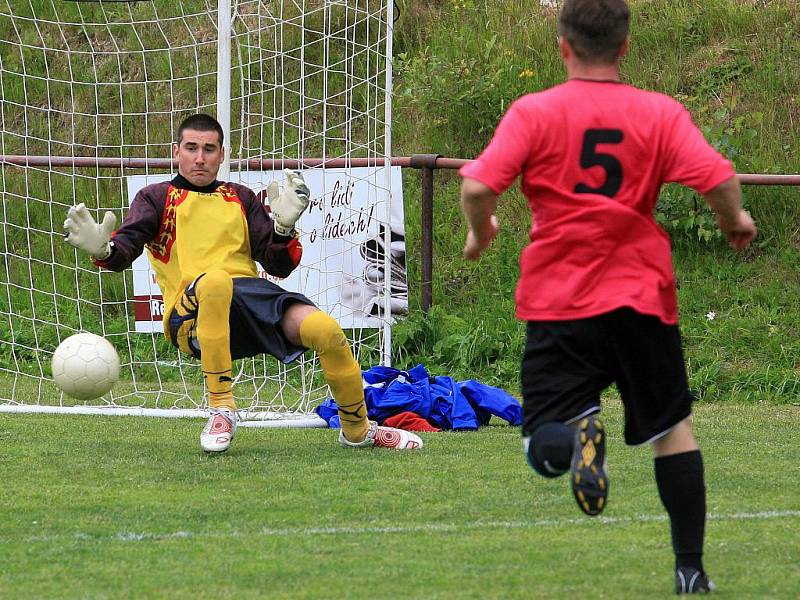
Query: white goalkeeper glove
82, 232
287, 206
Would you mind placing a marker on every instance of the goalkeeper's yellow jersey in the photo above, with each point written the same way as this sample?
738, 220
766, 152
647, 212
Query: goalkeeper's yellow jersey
188, 231
213, 235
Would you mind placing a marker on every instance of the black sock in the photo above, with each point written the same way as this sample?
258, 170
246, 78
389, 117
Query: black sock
550, 449
683, 492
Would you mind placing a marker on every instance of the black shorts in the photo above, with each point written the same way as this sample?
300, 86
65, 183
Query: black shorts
257, 307
568, 364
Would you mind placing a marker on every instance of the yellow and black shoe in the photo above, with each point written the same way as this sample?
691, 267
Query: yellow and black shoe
588, 469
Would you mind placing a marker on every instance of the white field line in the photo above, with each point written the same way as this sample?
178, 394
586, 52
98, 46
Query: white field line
132, 536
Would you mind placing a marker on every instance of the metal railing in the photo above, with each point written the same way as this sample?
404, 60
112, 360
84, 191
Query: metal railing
427, 163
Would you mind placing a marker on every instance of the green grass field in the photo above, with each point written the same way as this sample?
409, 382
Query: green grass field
131, 508
99, 507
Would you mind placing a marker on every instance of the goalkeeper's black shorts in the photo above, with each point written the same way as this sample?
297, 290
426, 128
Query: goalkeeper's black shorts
568, 364
257, 307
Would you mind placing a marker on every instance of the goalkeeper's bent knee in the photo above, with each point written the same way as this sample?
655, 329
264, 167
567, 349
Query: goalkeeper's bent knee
549, 449
214, 291
320, 332
214, 286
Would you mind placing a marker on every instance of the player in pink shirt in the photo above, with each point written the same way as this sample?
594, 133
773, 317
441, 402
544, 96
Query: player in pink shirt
596, 283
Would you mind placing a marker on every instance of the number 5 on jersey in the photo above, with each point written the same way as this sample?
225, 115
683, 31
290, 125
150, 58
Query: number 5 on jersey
590, 157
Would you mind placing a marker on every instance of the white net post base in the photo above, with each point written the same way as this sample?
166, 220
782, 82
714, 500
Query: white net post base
255, 419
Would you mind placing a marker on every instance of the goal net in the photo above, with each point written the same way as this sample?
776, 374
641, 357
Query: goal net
91, 93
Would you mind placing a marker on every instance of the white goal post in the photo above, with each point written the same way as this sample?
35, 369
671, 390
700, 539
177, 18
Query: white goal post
91, 93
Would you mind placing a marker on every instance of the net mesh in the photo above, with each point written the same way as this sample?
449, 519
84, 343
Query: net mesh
91, 94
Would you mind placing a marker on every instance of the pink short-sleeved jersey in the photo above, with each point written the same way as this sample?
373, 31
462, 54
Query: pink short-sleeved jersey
593, 156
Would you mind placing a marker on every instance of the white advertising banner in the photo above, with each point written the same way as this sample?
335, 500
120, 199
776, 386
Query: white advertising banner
343, 269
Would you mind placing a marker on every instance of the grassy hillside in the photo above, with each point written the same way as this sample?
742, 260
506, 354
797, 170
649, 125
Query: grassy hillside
459, 65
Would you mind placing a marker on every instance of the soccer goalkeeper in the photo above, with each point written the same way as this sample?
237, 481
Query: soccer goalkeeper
596, 285
202, 237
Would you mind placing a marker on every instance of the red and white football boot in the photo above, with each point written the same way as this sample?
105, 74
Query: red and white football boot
384, 437
219, 430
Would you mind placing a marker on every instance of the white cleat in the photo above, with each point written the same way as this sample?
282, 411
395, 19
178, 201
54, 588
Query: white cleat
219, 430
384, 437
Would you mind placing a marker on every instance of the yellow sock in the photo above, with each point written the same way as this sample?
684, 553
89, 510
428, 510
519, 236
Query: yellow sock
320, 332
214, 292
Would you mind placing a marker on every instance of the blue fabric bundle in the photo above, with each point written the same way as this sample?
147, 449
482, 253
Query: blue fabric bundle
464, 405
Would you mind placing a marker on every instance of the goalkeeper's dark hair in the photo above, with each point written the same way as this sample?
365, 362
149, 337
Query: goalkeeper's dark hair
201, 122
595, 29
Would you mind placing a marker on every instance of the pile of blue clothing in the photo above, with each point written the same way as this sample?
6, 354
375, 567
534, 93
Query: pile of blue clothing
464, 405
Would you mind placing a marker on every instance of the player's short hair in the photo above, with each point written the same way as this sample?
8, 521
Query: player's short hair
595, 29
200, 122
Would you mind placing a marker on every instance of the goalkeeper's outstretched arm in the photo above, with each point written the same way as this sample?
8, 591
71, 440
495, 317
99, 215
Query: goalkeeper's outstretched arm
114, 249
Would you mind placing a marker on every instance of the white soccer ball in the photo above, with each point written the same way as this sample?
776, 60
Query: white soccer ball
85, 366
